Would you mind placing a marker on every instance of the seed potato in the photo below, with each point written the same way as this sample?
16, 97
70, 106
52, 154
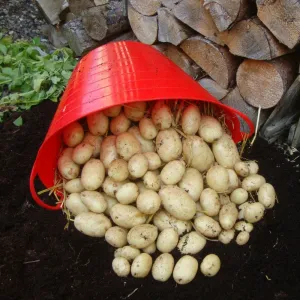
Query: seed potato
94, 201
226, 236
253, 167
242, 209
127, 252
267, 195
242, 169
192, 183
254, 212
98, 123
135, 111
210, 129
82, 153
185, 269
234, 181
242, 238
110, 203
152, 181
116, 236
93, 174
127, 145
253, 182
243, 226
91, 224
147, 129
146, 145
210, 265
127, 193
217, 178
150, 249
95, 141
228, 216
73, 134
138, 165
75, 205
191, 243
239, 196
148, 202
224, 199
74, 186
118, 170
161, 115
110, 187
112, 111
207, 226
108, 150
66, 166
190, 120
141, 265
119, 124
142, 236
163, 267
121, 266
154, 161
172, 172
210, 203
167, 240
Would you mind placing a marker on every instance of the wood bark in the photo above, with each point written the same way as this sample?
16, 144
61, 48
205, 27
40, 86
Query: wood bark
235, 100
215, 60
78, 6
213, 88
170, 3
263, 83
105, 20
282, 18
170, 29
226, 12
79, 41
193, 13
144, 27
146, 7
251, 39
285, 113
51, 9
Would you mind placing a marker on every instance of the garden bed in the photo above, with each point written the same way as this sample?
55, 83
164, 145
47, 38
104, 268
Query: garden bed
41, 260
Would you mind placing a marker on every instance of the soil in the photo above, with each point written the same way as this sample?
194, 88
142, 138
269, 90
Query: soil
41, 260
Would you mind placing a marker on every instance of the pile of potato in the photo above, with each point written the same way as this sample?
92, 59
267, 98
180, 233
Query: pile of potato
148, 180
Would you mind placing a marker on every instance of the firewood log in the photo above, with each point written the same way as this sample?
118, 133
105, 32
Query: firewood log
282, 18
144, 27
213, 88
215, 60
78, 6
170, 29
251, 39
146, 7
263, 83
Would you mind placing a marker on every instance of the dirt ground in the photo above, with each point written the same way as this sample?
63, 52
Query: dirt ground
39, 260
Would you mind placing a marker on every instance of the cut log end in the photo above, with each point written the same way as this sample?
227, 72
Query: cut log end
146, 7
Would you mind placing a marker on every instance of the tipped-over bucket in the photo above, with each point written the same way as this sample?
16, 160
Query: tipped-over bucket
114, 74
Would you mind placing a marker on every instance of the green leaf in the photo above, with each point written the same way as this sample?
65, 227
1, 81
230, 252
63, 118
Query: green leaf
55, 79
36, 41
66, 74
3, 49
37, 84
18, 122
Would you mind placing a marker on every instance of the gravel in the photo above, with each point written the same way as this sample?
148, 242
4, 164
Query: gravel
21, 19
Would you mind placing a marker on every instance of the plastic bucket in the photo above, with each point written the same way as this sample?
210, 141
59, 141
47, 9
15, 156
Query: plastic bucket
119, 73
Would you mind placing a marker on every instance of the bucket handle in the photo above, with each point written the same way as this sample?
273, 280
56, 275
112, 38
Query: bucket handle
35, 195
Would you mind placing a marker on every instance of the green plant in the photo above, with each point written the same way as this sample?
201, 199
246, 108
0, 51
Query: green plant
29, 75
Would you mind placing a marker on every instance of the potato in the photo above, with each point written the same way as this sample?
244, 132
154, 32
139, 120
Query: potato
210, 129
241, 168
121, 266
253, 182
243, 226
127, 193
177, 202
167, 240
112, 111
142, 236
116, 236
91, 224
108, 150
242, 208
172, 172
94, 201
148, 202
192, 183
119, 124
225, 151
228, 216
210, 203
110, 187
191, 243
234, 181
217, 178
190, 120
110, 203
197, 153
253, 167
163, 267
242, 238
118, 170
82, 153
66, 166
224, 199
141, 265
163, 220
147, 145
151, 181
168, 145
154, 161
92, 174
95, 141
74, 186
239, 196
267, 195
73, 134
127, 252
161, 115
150, 249
226, 236
147, 129
75, 205
98, 123
210, 265
135, 111
127, 145
185, 269
127, 216
141, 186
254, 212
138, 165
207, 226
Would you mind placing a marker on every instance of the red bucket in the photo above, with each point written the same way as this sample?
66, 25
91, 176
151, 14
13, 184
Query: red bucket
119, 73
